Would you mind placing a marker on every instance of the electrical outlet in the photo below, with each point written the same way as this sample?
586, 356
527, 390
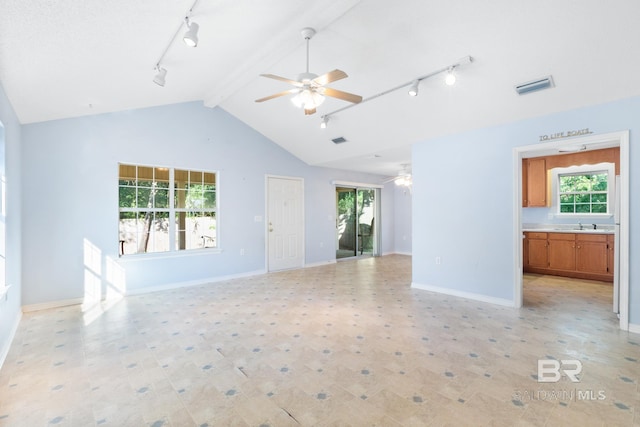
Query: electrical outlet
322, 244
438, 260
242, 252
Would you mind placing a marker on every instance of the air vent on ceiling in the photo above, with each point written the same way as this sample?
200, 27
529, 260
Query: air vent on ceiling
339, 140
535, 85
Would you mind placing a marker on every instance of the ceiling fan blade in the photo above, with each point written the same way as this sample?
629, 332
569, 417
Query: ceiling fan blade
331, 76
276, 95
282, 79
345, 96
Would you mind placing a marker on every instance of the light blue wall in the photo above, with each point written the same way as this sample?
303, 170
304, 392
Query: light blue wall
10, 140
70, 169
402, 219
464, 198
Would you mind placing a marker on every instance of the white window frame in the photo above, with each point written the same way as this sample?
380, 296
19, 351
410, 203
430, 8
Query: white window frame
173, 210
608, 168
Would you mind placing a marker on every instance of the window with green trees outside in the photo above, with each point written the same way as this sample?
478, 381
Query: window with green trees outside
166, 209
583, 193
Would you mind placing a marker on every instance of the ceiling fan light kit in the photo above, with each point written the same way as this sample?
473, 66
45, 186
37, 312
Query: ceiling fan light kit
403, 178
310, 89
190, 38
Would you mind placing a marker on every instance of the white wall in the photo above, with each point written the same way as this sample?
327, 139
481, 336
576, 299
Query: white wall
70, 173
10, 146
464, 199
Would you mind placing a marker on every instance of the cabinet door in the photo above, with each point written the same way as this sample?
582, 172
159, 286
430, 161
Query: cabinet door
525, 183
562, 251
538, 254
537, 182
591, 257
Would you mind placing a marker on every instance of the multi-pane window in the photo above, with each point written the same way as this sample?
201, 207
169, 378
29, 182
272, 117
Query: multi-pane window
164, 209
583, 193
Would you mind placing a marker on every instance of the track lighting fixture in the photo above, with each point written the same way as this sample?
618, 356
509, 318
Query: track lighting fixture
413, 90
450, 79
324, 122
190, 38
159, 79
413, 84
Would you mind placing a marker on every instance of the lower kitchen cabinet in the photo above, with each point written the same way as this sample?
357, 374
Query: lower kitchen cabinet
536, 250
592, 253
562, 251
579, 255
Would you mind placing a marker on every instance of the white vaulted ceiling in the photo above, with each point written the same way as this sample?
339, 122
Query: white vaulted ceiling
69, 58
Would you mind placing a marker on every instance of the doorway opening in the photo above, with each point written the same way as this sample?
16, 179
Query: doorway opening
618, 221
356, 211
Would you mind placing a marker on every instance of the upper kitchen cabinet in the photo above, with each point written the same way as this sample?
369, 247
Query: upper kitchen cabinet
525, 183
536, 185
536, 181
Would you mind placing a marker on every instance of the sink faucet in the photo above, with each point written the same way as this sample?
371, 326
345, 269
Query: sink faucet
579, 225
595, 226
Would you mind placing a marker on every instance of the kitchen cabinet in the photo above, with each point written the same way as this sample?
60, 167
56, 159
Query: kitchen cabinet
579, 255
562, 251
536, 249
525, 183
536, 182
591, 253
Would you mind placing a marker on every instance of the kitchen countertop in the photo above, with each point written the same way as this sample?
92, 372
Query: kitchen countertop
558, 228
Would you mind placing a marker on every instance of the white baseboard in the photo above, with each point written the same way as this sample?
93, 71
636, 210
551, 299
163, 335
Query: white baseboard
52, 304
146, 290
463, 294
320, 264
190, 283
4, 352
634, 328
397, 253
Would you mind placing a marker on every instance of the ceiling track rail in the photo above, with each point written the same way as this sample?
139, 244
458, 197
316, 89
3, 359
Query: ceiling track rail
462, 61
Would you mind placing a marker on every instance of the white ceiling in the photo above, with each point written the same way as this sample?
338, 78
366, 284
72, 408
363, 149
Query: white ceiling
68, 58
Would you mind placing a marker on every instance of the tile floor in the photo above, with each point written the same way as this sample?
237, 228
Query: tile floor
338, 345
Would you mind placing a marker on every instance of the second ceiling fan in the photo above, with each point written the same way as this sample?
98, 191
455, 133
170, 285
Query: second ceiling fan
310, 89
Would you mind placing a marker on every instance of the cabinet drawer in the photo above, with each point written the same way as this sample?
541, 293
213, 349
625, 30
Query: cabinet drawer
562, 236
536, 235
591, 237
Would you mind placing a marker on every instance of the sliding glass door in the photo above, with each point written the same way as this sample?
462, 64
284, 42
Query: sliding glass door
355, 222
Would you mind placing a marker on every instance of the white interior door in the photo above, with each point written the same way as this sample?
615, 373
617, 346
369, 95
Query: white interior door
285, 222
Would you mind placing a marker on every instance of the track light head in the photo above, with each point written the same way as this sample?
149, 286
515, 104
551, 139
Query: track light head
413, 90
190, 38
324, 122
159, 79
450, 79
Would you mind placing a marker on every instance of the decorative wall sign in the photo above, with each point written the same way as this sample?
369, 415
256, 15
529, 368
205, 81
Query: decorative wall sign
567, 134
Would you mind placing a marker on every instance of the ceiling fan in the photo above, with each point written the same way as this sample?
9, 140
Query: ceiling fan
403, 177
310, 89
